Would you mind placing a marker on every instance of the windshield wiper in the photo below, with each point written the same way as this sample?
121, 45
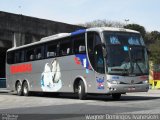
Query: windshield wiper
125, 71
135, 60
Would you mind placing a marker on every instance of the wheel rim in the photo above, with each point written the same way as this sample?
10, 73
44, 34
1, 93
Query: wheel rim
79, 89
25, 89
18, 88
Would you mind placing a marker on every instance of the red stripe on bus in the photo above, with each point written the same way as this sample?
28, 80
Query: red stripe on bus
22, 68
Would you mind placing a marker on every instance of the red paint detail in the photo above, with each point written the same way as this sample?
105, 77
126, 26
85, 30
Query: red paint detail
21, 68
145, 77
77, 61
156, 75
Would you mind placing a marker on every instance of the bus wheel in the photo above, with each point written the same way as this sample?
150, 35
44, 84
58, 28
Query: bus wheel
116, 96
25, 89
19, 89
81, 90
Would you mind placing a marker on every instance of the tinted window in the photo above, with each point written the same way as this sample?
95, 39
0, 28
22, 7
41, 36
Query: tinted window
10, 57
118, 38
30, 54
79, 44
35, 53
19, 56
51, 50
39, 52
65, 47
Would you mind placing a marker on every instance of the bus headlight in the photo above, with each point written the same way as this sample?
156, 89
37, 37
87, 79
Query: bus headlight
145, 82
115, 82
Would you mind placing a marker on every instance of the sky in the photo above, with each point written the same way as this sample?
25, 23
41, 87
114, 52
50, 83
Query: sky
142, 12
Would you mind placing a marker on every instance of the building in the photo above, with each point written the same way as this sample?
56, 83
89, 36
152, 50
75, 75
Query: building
23, 30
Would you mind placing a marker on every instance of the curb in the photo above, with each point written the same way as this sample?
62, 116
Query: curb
4, 90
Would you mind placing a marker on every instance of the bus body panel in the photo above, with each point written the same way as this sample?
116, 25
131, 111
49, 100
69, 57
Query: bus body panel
58, 74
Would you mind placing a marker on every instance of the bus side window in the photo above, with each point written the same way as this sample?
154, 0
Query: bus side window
65, 47
16, 57
79, 44
30, 55
10, 57
39, 53
51, 50
22, 55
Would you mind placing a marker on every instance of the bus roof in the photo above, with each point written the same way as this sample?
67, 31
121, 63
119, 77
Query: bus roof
63, 35
100, 29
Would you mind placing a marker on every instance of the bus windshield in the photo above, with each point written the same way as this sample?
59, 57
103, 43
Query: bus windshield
126, 54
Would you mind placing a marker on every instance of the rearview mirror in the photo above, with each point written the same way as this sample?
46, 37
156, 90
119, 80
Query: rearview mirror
103, 46
104, 50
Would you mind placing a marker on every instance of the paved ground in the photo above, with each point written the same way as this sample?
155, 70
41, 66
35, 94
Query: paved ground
71, 108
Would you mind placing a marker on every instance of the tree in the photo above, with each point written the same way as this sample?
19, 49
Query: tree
152, 37
102, 23
153, 41
137, 27
155, 52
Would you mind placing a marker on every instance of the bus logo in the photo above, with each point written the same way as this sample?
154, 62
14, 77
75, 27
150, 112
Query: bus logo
132, 81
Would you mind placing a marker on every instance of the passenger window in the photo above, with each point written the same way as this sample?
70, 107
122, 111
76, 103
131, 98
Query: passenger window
30, 55
79, 44
22, 56
39, 53
17, 57
52, 50
65, 47
10, 57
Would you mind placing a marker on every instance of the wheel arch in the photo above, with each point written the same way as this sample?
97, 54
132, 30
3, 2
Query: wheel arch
76, 81
17, 81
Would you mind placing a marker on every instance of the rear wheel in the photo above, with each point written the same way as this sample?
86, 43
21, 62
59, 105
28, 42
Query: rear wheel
81, 90
19, 89
116, 96
25, 89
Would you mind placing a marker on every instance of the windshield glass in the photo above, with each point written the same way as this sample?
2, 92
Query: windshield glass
126, 54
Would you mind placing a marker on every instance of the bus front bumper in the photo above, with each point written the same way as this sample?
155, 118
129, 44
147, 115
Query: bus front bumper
124, 88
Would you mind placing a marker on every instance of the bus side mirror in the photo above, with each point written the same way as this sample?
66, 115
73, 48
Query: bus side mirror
103, 47
104, 50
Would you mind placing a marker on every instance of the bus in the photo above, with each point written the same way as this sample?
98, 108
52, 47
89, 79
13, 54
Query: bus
102, 60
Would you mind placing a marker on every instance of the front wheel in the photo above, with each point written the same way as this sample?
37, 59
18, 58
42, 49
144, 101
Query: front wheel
25, 89
116, 96
81, 91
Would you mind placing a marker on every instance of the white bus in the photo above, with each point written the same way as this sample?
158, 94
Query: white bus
103, 60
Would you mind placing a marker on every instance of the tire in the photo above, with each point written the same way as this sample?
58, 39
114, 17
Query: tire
25, 89
81, 90
116, 96
19, 89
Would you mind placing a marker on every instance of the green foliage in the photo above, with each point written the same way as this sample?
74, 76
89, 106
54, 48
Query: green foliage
155, 52
136, 27
102, 23
152, 37
153, 40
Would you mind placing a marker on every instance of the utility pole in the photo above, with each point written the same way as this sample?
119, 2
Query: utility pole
126, 20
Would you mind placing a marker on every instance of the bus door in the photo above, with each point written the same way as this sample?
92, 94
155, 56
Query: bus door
95, 54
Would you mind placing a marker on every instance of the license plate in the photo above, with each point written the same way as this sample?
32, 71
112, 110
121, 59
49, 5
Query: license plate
131, 88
